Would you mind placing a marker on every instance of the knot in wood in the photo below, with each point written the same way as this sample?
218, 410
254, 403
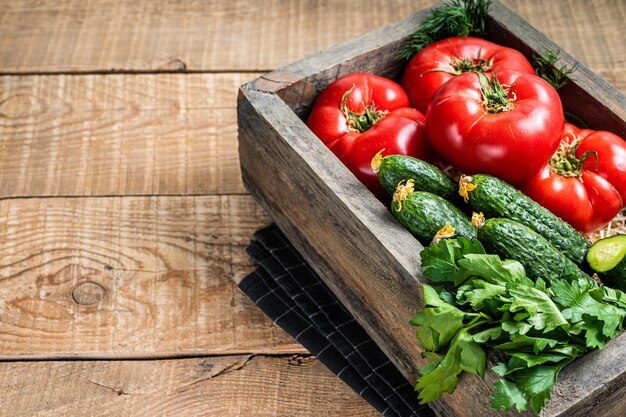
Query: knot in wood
88, 293
19, 106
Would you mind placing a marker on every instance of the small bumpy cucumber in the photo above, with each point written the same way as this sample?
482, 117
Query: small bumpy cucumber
608, 258
393, 169
424, 214
496, 198
513, 240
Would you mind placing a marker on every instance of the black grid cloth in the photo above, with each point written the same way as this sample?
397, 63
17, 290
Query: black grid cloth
296, 299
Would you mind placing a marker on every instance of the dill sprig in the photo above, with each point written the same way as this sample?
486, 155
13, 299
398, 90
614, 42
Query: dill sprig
546, 67
453, 18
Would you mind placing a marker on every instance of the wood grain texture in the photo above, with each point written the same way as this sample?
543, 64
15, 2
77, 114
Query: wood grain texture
590, 31
119, 135
130, 277
359, 243
220, 386
240, 35
74, 36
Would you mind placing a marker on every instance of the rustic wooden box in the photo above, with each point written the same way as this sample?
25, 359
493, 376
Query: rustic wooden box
369, 260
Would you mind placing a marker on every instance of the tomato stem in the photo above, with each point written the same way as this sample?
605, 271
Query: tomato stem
461, 65
479, 64
496, 97
565, 163
363, 121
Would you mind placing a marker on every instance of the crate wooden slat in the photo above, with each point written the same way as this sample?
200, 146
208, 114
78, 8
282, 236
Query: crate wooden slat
353, 242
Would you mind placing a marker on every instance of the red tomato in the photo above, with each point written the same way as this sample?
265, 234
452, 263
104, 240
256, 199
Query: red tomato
571, 187
359, 115
509, 130
587, 203
441, 61
611, 151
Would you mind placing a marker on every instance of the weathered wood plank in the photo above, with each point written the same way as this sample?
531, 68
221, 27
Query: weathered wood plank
590, 31
155, 36
119, 135
130, 277
218, 386
70, 35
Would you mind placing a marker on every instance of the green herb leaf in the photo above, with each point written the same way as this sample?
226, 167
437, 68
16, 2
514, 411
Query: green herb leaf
536, 383
491, 268
438, 323
434, 360
443, 378
487, 335
479, 292
575, 296
531, 360
544, 314
453, 18
473, 357
464, 354
506, 395
547, 68
440, 260
520, 342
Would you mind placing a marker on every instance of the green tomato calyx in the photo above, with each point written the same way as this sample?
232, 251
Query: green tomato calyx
361, 122
496, 97
565, 163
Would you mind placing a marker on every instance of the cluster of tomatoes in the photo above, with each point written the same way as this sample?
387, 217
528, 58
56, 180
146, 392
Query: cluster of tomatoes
481, 108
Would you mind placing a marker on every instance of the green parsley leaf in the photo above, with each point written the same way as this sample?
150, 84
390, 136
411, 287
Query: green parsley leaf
434, 359
536, 383
440, 260
438, 323
576, 297
531, 360
443, 378
506, 395
479, 292
544, 314
522, 342
491, 268
487, 335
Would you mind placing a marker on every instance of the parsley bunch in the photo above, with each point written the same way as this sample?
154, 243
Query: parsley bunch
483, 301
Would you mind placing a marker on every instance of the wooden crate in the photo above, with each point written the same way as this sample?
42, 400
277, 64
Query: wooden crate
369, 261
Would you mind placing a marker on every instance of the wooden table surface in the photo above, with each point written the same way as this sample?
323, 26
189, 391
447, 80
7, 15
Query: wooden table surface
123, 217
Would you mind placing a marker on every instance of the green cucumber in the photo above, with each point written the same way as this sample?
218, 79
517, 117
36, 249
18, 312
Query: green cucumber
424, 214
513, 240
394, 169
495, 198
608, 258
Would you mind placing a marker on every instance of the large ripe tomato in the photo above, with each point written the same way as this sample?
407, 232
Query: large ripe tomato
441, 61
508, 127
567, 188
359, 115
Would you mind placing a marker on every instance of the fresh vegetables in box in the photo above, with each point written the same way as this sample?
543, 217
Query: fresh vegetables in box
513, 276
